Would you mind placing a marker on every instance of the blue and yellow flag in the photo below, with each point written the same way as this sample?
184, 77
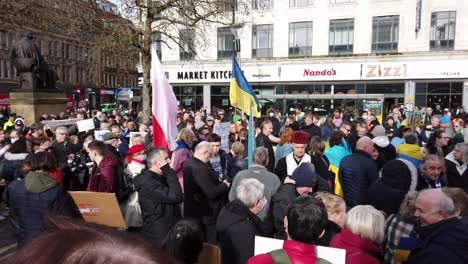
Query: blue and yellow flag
240, 93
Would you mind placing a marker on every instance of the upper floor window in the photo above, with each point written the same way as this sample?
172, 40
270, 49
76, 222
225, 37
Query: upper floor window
156, 40
300, 39
299, 3
225, 43
262, 41
385, 33
443, 30
262, 4
187, 44
341, 36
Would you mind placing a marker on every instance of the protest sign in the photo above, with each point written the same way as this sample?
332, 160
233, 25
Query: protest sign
415, 119
85, 125
137, 138
334, 255
99, 208
222, 130
57, 123
98, 134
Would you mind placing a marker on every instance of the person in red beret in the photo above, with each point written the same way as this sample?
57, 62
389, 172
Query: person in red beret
288, 164
135, 163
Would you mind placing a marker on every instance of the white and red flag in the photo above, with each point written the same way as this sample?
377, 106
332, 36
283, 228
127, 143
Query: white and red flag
164, 108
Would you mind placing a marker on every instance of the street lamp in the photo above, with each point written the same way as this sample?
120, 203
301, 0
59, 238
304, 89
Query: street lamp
236, 30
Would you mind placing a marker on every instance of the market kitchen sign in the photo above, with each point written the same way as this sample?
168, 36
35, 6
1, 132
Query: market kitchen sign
204, 75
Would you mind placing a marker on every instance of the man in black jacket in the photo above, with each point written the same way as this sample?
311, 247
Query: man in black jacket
303, 182
219, 160
263, 140
204, 193
159, 195
358, 171
310, 125
238, 223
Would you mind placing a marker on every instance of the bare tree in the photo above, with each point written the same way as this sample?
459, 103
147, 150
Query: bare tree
168, 18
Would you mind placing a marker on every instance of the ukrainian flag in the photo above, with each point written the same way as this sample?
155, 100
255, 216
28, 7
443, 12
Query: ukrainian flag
241, 93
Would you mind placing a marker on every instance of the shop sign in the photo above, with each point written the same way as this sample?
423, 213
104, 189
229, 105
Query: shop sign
4, 100
321, 72
377, 70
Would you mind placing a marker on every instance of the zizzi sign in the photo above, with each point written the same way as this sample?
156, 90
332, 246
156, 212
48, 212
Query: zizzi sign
203, 75
378, 70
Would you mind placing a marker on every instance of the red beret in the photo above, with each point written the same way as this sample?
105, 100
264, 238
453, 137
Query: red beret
300, 137
135, 149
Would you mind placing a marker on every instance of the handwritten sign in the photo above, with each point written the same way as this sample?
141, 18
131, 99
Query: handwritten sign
415, 119
99, 208
222, 130
264, 245
99, 134
85, 125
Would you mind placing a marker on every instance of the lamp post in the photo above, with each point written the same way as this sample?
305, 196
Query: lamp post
236, 29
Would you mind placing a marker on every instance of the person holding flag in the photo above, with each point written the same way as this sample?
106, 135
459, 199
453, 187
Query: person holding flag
243, 97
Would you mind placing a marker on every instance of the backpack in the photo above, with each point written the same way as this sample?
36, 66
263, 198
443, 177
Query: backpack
279, 256
125, 185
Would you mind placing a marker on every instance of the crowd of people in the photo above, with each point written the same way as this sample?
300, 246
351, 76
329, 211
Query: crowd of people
384, 191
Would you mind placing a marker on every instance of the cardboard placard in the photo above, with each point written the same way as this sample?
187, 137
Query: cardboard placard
85, 125
57, 123
222, 130
415, 119
99, 208
136, 134
264, 245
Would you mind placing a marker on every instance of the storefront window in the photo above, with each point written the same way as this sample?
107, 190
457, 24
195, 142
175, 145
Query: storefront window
189, 97
439, 95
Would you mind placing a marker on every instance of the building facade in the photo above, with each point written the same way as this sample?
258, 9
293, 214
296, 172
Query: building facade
82, 65
310, 52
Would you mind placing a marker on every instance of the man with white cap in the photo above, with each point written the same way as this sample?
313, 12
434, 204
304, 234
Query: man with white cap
386, 150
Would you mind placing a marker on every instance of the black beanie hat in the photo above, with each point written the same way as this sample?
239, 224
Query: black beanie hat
304, 176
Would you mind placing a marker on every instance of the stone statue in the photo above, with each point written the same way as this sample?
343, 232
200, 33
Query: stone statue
34, 73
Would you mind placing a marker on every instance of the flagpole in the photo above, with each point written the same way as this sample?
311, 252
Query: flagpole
251, 138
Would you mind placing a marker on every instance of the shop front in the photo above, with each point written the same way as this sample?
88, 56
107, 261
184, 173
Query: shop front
438, 83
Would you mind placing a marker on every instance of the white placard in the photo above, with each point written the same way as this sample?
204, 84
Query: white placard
57, 123
222, 130
98, 134
85, 125
264, 245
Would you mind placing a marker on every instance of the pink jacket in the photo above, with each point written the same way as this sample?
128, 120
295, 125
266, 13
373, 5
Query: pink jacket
179, 157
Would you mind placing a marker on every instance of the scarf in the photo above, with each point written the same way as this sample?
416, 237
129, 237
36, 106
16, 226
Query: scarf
182, 145
130, 160
291, 163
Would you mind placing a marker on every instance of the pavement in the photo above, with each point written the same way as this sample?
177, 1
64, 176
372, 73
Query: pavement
7, 238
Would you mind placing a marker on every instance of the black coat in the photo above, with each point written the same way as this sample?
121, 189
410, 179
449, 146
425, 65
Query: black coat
330, 231
264, 141
159, 197
443, 242
454, 178
312, 130
281, 200
236, 229
357, 172
204, 194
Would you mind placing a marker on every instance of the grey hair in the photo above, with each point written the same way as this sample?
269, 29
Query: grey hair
464, 150
153, 155
430, 157
444, 203
249, 191
367, 222
411, 138
260, 156
202, 146
62, 128
435, 117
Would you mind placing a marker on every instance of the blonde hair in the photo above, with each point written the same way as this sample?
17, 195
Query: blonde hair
366, 222
185, 134
238, 148
333, 203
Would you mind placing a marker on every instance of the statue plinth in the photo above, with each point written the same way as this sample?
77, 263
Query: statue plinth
32, 105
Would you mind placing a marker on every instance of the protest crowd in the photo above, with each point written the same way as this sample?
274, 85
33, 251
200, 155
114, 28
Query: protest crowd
389, 191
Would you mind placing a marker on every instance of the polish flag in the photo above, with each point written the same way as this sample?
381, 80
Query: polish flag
164, 109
